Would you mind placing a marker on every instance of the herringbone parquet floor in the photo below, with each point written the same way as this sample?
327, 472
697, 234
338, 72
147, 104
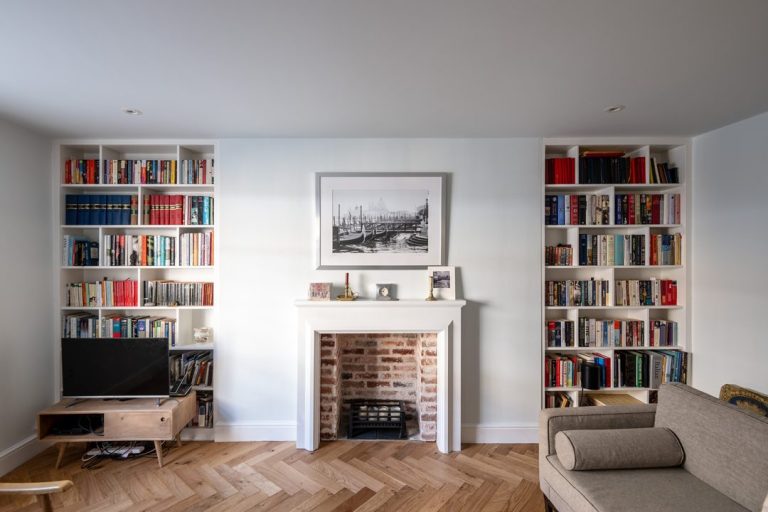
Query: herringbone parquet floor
360, 476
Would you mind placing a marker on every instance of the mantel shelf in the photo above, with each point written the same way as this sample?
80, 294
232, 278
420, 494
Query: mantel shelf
363, 303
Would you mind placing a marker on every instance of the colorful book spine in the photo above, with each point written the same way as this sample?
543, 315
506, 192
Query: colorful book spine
592, 292
104, 293
176, 293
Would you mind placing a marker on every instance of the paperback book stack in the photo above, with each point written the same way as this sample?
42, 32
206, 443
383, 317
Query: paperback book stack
576, 209
663, 173
81, 172
175, 293
197, 172
611, 249
126, 172
558, 399
611, 333
592, 292
664, 333
561, 370
140, 250
104, 293
176, 209
667, 249
560, 333
124, 326
79, 251
560, 255
647, 209
193, 368
80, 325
197, 249
650, 292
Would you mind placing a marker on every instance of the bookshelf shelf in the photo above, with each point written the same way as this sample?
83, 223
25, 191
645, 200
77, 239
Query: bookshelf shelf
87, 172
649, 165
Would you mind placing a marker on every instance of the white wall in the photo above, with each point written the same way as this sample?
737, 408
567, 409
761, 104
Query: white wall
730, 252
494, 238
26, 273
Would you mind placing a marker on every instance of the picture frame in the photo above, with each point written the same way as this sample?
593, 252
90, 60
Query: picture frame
443, 282
320, 291
379, 220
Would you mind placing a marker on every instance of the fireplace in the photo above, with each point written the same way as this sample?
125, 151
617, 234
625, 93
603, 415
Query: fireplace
378, 366
320, 322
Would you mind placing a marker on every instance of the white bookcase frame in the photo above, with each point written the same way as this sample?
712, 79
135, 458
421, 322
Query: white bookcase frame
663, 149
187, 317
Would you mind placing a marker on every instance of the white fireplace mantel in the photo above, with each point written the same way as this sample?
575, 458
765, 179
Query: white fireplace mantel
405, 316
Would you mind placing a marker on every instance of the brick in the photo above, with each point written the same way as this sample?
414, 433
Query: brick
429, 379
326, 389
393, 343
377, 384
353, 367
378, 368
327, 343
353, 384
428, 361
378, 351
346, 376
411, 343
327, 362
326, 352
429, 389
328, 380
428, 426
401, 384
403, 351
348, 351
430, 352
429, 417
391, 359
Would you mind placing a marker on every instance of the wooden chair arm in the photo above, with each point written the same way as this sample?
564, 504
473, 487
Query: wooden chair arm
35, 487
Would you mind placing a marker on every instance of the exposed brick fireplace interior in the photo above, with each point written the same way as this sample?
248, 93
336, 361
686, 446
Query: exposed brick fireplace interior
392, 366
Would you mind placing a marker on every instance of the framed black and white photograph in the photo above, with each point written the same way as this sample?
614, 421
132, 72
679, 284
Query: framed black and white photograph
379, 219
443, 282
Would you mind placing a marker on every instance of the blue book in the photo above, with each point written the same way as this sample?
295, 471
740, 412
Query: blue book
125, 209
82, 209
70, 212
561, 210
619, 250
582, 249
101, 211
206, 210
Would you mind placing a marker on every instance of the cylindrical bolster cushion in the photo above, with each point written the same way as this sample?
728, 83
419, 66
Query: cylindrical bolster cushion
625, 448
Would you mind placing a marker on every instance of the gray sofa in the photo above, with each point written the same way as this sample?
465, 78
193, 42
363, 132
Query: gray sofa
725, 464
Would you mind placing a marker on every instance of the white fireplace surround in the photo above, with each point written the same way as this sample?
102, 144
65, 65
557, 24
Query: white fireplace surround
402, 316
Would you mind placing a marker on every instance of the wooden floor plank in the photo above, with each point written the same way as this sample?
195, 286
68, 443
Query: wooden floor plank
341, 476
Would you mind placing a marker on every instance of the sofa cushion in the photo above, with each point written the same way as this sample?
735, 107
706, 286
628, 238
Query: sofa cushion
633, 490
725, 446
618, 449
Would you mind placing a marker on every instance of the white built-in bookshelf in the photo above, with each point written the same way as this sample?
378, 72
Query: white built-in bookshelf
178, 247
600, 245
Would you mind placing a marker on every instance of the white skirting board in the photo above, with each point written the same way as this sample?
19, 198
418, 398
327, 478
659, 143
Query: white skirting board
19, 453
265, 431
488, 434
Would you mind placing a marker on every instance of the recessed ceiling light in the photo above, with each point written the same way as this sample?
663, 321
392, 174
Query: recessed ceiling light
614, 108
132, 111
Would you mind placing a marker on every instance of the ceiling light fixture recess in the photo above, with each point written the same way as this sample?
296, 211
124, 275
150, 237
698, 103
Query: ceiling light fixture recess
132, 111
614, 108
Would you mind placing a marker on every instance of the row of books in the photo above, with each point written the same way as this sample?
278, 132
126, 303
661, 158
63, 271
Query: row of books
564, 370
104, 293
593, 332
175, 293
647, 209
139, 250
80, 325
100, 209
646, 292
204, 417
559, 399
663, 173
664, 333
633, 369
559, 171
78, 251
650, 369
611, 249
611, 167
591, 292
193, 368
667, 249
123, 326
576, 209
177, 209
124, 172
560, 255
197, 249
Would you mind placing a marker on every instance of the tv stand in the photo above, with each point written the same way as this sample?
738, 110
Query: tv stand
140, 419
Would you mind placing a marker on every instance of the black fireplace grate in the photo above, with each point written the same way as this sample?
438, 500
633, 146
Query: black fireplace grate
376, 419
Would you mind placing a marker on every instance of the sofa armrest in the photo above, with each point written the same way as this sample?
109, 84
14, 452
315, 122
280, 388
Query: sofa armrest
552, 421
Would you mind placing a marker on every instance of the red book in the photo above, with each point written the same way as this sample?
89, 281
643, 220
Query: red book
656, 209
574, 199
179, 209
631, 208
68, 171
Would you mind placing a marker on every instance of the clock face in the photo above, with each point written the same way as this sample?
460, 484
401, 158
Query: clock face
384, 291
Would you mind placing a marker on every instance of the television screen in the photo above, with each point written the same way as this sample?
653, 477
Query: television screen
114, 367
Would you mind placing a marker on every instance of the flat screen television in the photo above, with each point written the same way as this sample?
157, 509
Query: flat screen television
114, 367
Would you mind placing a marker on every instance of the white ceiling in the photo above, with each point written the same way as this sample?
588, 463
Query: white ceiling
387, 68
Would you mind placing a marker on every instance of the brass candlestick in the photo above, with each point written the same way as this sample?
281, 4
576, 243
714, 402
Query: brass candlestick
431, 295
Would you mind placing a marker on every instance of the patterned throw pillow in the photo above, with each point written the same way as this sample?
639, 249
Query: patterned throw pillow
745, 398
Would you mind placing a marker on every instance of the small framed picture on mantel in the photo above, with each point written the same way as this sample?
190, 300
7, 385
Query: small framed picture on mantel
379, 220
443, 282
